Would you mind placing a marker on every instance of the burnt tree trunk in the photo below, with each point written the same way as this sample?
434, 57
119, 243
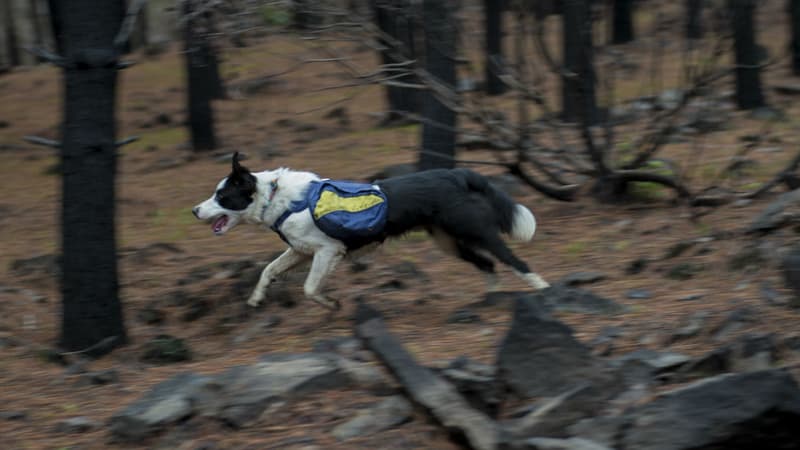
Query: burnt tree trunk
622, 28
90, 293
55, 7
694, 19
439, 121
6, 55
749, 94
200, 79
396, 19
495, 66
794, 15
578, 79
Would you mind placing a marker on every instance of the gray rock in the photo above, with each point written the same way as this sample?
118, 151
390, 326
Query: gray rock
754, 352
678, 249
499, 298
463, 315
261, 327
770, 295
637, 266
346, 346
777, 214
742, 411
386, 414
655, 361
365, 376
540, 357
749, 256
581, 278
692, 326
13, 415
169, 402
76, 425
603, 343
767, 113
792, 343
604, 430
151, 315
791, 274
476, 382
751, 352
566, 299
247, 391
670, 98
100, 377
540, 443
786, 88
638, 294
733, 322
165, 349
684, 271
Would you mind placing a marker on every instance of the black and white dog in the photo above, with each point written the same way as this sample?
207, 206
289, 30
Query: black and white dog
459, 208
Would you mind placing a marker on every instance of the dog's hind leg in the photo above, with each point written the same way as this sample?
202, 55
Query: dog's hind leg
324, 262
483, 264
286, 261
498, 248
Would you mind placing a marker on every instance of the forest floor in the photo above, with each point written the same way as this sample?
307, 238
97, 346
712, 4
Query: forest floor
159, 180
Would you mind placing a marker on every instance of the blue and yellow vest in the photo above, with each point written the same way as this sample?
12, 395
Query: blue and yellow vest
354, 213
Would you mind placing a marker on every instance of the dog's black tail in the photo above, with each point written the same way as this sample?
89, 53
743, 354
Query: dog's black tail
513, 218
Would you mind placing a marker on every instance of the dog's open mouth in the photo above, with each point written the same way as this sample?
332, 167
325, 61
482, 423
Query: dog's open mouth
219, 224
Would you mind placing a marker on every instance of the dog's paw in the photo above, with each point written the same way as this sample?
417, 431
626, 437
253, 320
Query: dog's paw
254, 301
329, 303
536, 281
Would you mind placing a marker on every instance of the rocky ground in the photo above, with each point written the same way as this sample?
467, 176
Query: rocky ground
649, 302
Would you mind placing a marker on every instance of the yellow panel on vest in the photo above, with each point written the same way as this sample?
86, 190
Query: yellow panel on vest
330, 202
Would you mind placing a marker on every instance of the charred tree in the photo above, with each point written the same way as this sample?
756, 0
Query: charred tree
200, 69
396, 20
56, 7
577, 77
89, 285
749, 94
622, 30
439, 120
794, 15
694, 19
6, 55
493, 18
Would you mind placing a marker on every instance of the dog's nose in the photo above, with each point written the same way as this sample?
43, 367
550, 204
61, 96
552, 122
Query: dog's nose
196, 211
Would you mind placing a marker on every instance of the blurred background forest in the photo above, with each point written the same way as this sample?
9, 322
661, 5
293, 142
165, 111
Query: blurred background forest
656, 142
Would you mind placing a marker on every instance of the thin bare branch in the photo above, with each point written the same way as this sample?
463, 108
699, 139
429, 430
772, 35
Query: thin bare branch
42, 141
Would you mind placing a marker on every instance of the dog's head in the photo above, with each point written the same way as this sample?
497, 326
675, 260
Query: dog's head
232, 198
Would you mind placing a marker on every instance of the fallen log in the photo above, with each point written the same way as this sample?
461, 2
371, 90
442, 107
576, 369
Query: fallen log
425, 387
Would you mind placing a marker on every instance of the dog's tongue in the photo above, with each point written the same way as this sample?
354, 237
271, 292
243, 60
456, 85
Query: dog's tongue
219, 223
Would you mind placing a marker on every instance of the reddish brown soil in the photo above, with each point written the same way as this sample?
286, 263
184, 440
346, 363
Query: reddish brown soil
155, 198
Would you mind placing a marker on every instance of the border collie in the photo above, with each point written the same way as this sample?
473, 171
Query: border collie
460, 209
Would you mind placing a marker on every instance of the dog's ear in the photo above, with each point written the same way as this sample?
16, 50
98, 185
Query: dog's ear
238, 169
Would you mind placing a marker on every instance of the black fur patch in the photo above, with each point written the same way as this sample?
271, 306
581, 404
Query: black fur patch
237, 192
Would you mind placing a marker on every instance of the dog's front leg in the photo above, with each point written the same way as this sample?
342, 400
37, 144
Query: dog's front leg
324, 262
287, 260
